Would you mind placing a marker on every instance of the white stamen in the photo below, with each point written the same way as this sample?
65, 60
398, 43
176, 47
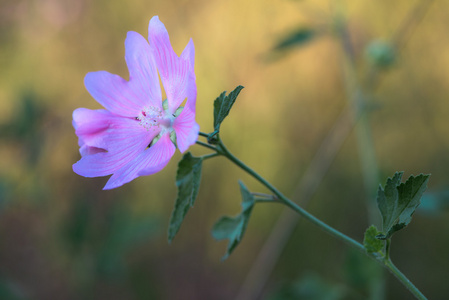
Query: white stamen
150, 116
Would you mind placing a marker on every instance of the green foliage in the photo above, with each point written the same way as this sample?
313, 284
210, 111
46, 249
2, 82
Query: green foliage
398, 201
188, 182
234, 228
222, 106
299, 37
371, 242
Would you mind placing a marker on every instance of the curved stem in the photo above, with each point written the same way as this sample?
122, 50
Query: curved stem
221, 149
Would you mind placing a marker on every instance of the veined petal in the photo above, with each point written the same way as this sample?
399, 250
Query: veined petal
87, 150
148, 162
90, 126
102, 129
174, 71
188, 54
114, 93
124, 139
186, 129
143, 78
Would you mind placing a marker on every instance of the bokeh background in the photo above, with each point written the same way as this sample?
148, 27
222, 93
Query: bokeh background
62, 237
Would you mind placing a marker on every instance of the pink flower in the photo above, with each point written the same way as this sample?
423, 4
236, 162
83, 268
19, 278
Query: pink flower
133, 136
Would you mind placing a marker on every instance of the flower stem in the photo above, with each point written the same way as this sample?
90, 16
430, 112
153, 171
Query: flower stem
206, 145
224, 151
203, 134
386, 262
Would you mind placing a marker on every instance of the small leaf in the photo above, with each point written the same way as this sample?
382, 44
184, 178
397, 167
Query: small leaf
188, 182
298, 37
371, 242
398, 201
234, 228
222, 106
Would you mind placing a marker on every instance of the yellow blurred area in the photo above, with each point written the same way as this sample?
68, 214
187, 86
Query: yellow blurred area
62, 237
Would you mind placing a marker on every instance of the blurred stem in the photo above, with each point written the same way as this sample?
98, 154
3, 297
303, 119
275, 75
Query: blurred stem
386, 262
358, 100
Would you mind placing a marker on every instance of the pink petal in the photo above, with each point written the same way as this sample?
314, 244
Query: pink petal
87, 150
90, 126
148, 162
174, 71
114, 93
189, 54
144, 80
186, 129
124, 139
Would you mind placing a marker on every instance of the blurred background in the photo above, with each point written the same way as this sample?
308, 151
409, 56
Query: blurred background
303, 64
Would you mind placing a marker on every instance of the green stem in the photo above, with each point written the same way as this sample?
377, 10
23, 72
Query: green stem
203, 134
405, 281
206, 145
224, 151
207, 156
387, 249
386, 262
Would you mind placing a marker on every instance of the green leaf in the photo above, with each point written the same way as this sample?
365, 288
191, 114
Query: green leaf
398, 201
371, 243
222, 106
188, 182
234, 228
298, 37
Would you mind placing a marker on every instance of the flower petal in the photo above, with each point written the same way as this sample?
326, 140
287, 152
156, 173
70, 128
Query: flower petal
189, 55
186, 129
114, 93
148, 162
124, 139
90, 126
174, 71
143, 78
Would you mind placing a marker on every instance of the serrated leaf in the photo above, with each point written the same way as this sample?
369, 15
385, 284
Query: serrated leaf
298, 37
222, 106
188, 182
234, 228
398, 201
371, 242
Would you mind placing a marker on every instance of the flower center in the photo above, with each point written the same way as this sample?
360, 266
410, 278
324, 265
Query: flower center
152, 116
